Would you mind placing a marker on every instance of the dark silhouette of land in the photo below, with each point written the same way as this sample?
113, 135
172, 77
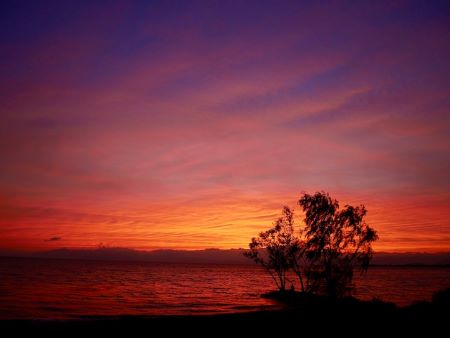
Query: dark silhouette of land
302, 314
211, 256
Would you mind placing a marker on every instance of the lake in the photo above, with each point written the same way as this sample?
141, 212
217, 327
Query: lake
65, 289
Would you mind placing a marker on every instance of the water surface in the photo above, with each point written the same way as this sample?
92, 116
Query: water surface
39, 288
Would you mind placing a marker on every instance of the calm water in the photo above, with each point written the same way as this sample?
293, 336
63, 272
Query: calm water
34, 288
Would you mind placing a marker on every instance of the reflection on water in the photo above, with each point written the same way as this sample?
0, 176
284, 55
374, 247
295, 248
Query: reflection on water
35, 288
402, 285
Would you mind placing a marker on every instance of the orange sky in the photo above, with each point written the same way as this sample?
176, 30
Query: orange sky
190, 126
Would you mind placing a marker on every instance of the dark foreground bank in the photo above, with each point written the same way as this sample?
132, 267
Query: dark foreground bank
302, 314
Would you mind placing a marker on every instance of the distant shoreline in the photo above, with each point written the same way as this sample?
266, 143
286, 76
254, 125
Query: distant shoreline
417, 265
212, 256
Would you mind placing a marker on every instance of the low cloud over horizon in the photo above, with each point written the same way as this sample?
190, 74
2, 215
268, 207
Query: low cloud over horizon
211, 255
53, 239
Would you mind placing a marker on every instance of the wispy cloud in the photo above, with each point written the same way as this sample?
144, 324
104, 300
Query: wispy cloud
191, 126
53, 239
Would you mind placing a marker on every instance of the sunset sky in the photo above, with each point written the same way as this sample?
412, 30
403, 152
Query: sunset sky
189, 124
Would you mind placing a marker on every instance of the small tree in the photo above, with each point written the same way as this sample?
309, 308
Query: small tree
277, 248
324, 254
336, 241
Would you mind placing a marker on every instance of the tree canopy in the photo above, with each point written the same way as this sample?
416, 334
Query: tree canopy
324, 253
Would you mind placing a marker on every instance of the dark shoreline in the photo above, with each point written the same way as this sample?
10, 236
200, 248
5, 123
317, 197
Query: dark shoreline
315, 315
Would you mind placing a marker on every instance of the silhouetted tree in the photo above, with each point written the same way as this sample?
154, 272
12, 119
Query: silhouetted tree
324, 254
336, 241
277, 248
